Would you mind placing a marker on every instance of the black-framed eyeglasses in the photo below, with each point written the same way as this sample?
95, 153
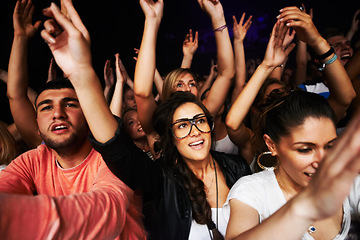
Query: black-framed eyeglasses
182, 127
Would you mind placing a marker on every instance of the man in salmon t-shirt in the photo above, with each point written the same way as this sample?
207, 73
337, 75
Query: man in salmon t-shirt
63, 188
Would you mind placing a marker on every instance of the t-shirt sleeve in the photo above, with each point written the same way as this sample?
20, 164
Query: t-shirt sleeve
17, 177
104, 212
243, 190
354, 197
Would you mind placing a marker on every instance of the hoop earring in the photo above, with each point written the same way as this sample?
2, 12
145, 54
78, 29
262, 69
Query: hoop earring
265, 167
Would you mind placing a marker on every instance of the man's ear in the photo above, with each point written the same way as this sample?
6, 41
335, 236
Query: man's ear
270, 144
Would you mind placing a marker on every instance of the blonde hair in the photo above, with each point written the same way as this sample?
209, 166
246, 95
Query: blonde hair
170, 80
8, 149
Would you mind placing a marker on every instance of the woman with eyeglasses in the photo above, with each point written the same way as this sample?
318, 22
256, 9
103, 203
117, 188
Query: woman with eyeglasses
189, 183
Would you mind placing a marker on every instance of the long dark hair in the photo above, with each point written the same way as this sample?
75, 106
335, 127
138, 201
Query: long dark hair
173, 161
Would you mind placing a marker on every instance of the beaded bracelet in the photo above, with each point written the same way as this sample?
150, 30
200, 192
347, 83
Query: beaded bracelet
220, 29
330, 61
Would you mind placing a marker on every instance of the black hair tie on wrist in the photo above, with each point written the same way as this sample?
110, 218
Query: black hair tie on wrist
325, 55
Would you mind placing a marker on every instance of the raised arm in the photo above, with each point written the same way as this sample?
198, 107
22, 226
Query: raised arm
276, 53
30, 92
353, 70
71, 50
116, 105
341, 89
158, 80
190, 45
21, 107
323, 197
240, 29
224, 55
301, 59
146, 63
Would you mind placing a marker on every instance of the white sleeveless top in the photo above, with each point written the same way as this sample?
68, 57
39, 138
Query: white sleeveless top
262, 192
226, 145
201, 231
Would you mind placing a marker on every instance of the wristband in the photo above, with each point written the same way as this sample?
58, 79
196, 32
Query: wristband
325, 55
220, 29
330, 61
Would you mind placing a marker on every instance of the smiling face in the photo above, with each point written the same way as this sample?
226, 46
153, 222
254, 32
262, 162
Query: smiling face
301, 152
195, 146
342, 48
132, 125
60, 119
185, 83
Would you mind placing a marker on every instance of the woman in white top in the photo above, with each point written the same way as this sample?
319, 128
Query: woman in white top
298, 129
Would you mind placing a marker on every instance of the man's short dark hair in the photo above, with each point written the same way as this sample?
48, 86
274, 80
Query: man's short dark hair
331, 32
58, 83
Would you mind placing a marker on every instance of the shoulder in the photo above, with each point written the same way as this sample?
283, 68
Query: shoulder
255, 190
254, 186
228, 159
41, 153
234, 166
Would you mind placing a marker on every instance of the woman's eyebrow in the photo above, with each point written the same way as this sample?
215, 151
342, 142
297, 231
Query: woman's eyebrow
187, 119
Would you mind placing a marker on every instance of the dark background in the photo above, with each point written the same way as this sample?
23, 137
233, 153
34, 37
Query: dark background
117, 25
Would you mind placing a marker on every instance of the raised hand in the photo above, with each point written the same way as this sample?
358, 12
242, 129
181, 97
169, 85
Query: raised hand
355, 21
22, 18
240, 29
151, 9
190, 44
214, 9
119, 70
108, 74
279, 45
302, 23
71, 45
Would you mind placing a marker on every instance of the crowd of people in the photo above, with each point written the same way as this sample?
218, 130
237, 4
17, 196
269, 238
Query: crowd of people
257, 149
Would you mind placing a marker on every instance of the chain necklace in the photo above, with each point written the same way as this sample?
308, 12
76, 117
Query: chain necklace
208, 188
217, 198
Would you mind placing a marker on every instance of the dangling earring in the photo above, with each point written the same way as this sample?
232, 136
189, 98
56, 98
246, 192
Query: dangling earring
269, 161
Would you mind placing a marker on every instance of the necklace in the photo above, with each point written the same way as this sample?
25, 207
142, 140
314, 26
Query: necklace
212, 181
217, 203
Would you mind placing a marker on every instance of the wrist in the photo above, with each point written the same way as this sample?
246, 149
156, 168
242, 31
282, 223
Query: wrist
21, 37
82, 76
321, 47
188, 56
217, 23
153, 20
267, 66
238, 40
